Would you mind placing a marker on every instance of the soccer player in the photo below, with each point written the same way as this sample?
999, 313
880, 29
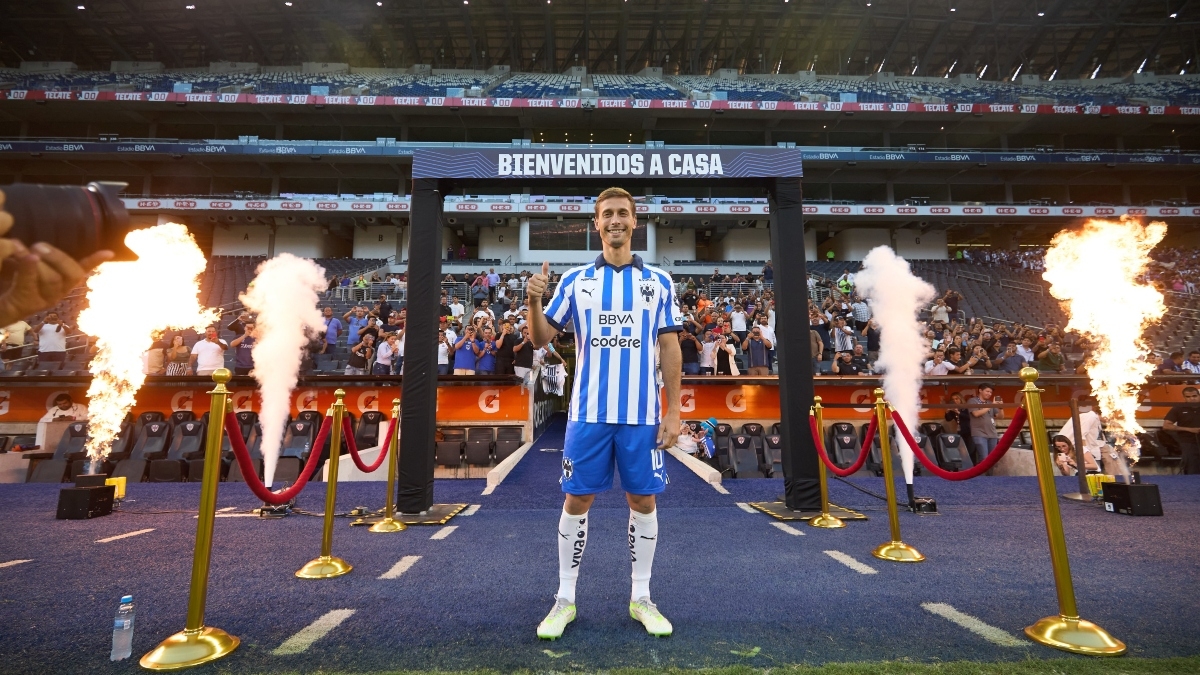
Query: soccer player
618, 307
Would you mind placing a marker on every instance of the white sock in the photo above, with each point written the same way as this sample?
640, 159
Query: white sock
572, 539
643, 538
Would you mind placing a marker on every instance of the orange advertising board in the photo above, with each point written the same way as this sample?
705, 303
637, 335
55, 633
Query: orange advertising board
481, 404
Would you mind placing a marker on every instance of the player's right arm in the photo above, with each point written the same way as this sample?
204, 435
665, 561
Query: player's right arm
541, 330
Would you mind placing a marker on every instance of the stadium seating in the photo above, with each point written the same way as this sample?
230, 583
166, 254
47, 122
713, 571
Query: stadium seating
448, 451
187, 442
952, 453
530, 85
842, 444
151, 442
52, 467
633, 86
508, 439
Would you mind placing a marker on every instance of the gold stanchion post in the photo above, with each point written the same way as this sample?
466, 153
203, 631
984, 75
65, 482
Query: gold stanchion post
1065, 631
327, 565
196, 643
895, 550
825, 520
388, 524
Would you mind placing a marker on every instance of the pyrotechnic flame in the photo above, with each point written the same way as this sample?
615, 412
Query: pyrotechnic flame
128, 302
1096, 272
284, 295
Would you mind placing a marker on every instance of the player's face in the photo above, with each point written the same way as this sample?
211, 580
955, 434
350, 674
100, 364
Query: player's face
615, 221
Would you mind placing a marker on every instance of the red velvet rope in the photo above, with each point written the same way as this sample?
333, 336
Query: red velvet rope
862, 457
387, 444
1002, 446
250, 473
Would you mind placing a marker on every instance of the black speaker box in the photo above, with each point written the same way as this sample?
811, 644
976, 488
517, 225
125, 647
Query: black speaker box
1139, 499
81, 503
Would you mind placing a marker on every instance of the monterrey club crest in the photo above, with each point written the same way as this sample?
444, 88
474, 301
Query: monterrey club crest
648, 290
568, 469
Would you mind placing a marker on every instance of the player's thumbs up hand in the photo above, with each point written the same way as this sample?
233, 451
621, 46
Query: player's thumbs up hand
536, 286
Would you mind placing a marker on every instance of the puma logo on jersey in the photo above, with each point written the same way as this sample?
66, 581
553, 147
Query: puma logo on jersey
586, 290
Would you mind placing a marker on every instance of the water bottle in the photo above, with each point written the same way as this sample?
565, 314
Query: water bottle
122, 645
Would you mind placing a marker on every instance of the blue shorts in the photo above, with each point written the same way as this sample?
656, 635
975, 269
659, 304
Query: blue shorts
591, 449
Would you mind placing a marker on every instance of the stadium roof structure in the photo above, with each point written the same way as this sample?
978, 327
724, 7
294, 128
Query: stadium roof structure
997, 40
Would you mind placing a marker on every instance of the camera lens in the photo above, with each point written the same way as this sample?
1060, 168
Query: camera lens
77, 220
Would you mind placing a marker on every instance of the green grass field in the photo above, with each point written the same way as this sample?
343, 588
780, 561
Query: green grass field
1069, 666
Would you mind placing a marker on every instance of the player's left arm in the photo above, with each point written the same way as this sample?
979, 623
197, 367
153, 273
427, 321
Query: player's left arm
670, 358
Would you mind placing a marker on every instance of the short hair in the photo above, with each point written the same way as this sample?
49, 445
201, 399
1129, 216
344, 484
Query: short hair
1191, 391
1177, 355
1193, 352
62, 397
984, 385
616, 193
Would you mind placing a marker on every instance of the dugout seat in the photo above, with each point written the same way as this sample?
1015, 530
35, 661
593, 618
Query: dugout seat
187, 442
478, 447
254, 446
952, 453
448, 451
508, 440
371, 430
181, 416
52, 467
932, 429
842, 444
246, 421
313, 416
151, 444
742, 457
875, 456
777, 429
721, 441
756, 432
773, 449
298, 439
131, 428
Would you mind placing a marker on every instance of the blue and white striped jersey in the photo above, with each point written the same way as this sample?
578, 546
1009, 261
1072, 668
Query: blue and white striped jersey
618, 314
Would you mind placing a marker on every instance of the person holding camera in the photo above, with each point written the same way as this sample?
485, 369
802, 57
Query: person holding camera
445, 347
523, 354
726, 365
466, 352
486, 363
756, 347
51, 335
385, 355
208, 354
243, 345
505, 345
360, 355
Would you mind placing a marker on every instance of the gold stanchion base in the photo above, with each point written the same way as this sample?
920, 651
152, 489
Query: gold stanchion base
897, 551
827, 521
1075, 635
324, 567
189, 648
388, 525
1078, 497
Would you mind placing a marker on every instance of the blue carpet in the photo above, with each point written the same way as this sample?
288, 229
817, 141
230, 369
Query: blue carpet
728, 579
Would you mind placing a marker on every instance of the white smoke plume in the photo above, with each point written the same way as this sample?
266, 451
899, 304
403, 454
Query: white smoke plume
896, 296
284, 295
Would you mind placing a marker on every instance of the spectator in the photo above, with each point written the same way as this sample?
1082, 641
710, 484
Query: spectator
1192, 365
333, 329
940, 311
1025, 349
859, 357
1183, 423
479, 289
355, 319
816, 347
768, 275
383, 308
361, 288
505, 345
861, 312
208, 354
938, 366
843, 336
523, 354
983, 422
484, 310
493, 280
176, 357
14, 340
737, 323
462, 252
1064, 458
386, 353
1092, 429
1171, 365
952, 299
768, 333
360, 355
243, 357
872, 334
690, 348
456, 308
726, 365
486, 363
66, 410
1052, 360
449, 256
513, 313
961, 418
51, 335
708, 354
1011, 361
398, 352
238, 325
716, 276
845, 283
756, 346
844, 365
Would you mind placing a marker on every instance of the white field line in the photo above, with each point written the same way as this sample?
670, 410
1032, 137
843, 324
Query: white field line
746, 507
851, 562
444, 532
123, 536
787, 528
13, 563
470, 510
300, 642
227, 508
719, 488
400, 567
983, 630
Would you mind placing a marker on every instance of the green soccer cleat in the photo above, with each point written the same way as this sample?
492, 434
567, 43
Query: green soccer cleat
552, 627
644, 611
